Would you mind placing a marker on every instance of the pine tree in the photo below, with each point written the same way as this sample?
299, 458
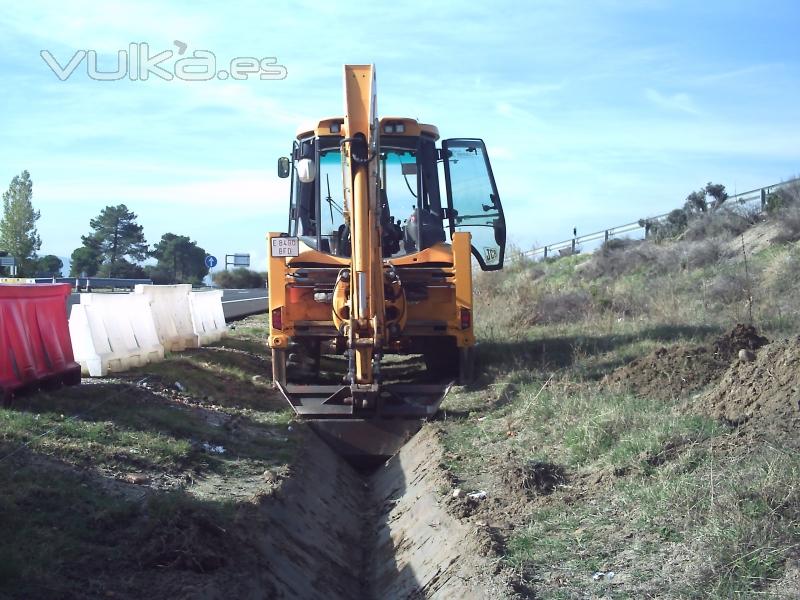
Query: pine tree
116, 236
49, 266
180, 260
84, 262
18, 235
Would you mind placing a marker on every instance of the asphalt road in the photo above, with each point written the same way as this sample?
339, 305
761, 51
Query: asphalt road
235, 303
240, 303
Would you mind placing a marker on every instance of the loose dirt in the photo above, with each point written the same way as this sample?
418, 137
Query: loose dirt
765, 391
675, 371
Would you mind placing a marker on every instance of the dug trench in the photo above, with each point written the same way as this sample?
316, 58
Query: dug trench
190, 479
331, 531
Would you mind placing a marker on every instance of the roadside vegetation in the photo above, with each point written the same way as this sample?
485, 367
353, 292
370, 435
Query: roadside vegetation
240, 278
603, 484
143, 481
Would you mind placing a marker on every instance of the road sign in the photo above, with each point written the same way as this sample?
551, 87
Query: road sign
7, 261
237, 260
211, 261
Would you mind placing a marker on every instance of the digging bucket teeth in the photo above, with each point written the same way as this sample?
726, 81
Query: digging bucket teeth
365, 425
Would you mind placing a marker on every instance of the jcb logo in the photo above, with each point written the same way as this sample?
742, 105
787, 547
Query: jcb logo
490, 254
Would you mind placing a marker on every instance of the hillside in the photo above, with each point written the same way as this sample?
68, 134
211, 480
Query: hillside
636, 424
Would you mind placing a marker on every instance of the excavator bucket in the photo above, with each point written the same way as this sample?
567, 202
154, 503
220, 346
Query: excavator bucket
365, 426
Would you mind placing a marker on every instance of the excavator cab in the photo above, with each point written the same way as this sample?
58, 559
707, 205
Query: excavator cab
370, 287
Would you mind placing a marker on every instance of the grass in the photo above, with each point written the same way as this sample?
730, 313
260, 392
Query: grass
572, 424
114, 482
677, 504
104, 426
647, 482
48, 525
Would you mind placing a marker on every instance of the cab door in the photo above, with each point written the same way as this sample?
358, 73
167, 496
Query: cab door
472, 200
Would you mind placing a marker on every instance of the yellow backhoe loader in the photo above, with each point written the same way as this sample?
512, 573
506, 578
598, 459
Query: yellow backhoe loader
365, 275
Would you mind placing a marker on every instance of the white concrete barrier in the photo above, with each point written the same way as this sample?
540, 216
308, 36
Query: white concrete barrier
172, 314
112, 333
207, 316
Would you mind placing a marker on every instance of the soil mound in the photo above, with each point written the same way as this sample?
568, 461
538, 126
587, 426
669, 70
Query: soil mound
533, 477
742, 337
674, 371
766, 390
670, 372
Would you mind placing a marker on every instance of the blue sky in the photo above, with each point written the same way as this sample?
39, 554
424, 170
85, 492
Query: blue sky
594, 114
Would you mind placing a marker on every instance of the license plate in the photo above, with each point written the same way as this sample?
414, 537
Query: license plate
285, 246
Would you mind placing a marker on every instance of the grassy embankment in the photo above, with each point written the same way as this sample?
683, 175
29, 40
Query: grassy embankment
653, 488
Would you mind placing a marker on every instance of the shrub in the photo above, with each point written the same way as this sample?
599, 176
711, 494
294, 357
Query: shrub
671, 226
783, 197
728, 288
789, 221
782, 276
564, 306
618, 259
240, 279
695, 255
724, 223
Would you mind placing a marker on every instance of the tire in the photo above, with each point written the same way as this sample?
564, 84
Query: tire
441, 359
466, 365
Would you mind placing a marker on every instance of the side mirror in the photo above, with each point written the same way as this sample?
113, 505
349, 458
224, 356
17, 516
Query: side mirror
283, 167
306, 170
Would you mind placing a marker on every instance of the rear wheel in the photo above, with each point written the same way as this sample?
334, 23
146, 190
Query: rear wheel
441, 357
466, 365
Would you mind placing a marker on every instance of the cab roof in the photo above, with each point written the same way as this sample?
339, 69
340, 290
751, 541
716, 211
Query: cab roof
402, 126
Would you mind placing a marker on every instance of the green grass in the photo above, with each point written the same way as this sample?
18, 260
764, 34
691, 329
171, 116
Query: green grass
738, 510
575, 425
65, 534
666, 490
129, 429
72, 520
95, 440
52, 519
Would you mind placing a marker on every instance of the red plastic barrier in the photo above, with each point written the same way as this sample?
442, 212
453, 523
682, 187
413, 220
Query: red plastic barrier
35, 348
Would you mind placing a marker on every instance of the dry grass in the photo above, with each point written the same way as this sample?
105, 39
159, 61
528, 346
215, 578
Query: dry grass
789, 219
675, 504
724, 223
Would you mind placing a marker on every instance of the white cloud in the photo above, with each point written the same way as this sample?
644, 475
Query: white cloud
246, 190
680, 102
103, 26
547, 86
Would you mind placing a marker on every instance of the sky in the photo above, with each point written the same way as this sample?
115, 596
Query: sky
594, 114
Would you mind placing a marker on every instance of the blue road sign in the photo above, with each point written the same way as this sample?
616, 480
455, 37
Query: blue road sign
211, 261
